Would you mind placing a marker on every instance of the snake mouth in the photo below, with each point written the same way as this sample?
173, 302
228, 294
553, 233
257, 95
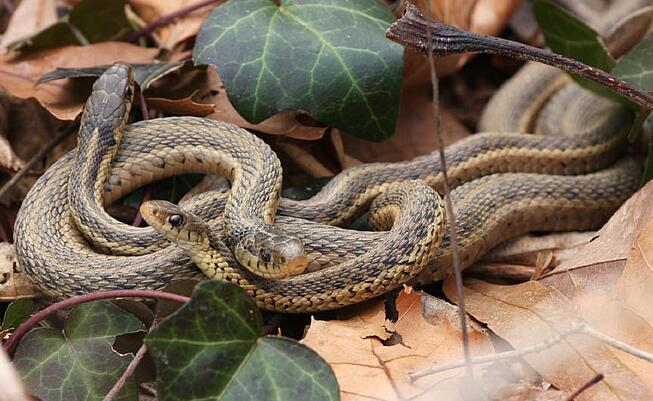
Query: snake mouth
297, 265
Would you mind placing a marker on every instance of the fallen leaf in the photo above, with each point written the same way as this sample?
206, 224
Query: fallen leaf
169, 35
64, 99
367, 369
180, 107
13, 284
283, 123
600, 262
528, 314
30, 17
414, 133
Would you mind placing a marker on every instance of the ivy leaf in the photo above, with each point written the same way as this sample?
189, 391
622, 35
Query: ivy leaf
78, 363
91, 21
17, 312
329, 58
212, 349
567, 35
636, 67
144, 74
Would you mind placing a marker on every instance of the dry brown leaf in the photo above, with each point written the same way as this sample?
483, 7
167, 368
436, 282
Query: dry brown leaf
488, 17
64, 98
530, 313
597, 266
181, 107
414, 132
368, 370
526, 249
170, 35
13, 285
283, 123
30, 17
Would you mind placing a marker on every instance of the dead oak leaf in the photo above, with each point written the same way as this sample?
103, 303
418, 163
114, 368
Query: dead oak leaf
367, 369
30, 17
63, 98
528, 314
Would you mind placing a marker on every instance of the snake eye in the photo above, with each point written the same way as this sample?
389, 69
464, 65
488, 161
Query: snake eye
283, 259
265, 255
175, 220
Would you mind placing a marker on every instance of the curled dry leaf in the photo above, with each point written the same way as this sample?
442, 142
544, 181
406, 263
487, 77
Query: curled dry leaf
283, 123
368, 369
488, 17
168, 36
30, 17
64, 99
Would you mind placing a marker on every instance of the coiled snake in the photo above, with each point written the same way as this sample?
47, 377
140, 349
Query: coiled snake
588, 135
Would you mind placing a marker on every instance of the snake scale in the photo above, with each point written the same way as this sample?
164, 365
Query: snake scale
576, 133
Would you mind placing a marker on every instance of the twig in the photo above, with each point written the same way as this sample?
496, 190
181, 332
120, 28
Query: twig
477, 360
451, 218
38, 157
166, 19
447, 40
613, 342
130, 368
594, 380
80, 299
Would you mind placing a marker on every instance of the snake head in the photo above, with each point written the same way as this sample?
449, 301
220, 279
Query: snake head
179, 226
278, 254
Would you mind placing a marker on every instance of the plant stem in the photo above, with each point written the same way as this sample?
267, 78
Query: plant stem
594, 380
410, 31
451, 217
166, 19
130, 368
80, 299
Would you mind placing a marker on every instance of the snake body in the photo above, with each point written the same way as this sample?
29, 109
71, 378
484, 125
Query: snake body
588, 134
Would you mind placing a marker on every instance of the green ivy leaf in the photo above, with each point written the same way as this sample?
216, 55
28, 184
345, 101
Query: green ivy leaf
91, 21
327, 57
78, 363
17, 312
212, 349
636, 67
567, 35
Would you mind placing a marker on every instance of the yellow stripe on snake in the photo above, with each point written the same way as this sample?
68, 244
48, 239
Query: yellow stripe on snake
576, 133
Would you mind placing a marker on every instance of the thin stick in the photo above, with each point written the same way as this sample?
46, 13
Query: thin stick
80, 299
166, 19
130, 368
61, 135
446, 40
451, 218
477, 360
594, 380
613, 342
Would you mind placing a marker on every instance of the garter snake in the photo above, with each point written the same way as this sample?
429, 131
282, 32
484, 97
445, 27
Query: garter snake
56, 256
